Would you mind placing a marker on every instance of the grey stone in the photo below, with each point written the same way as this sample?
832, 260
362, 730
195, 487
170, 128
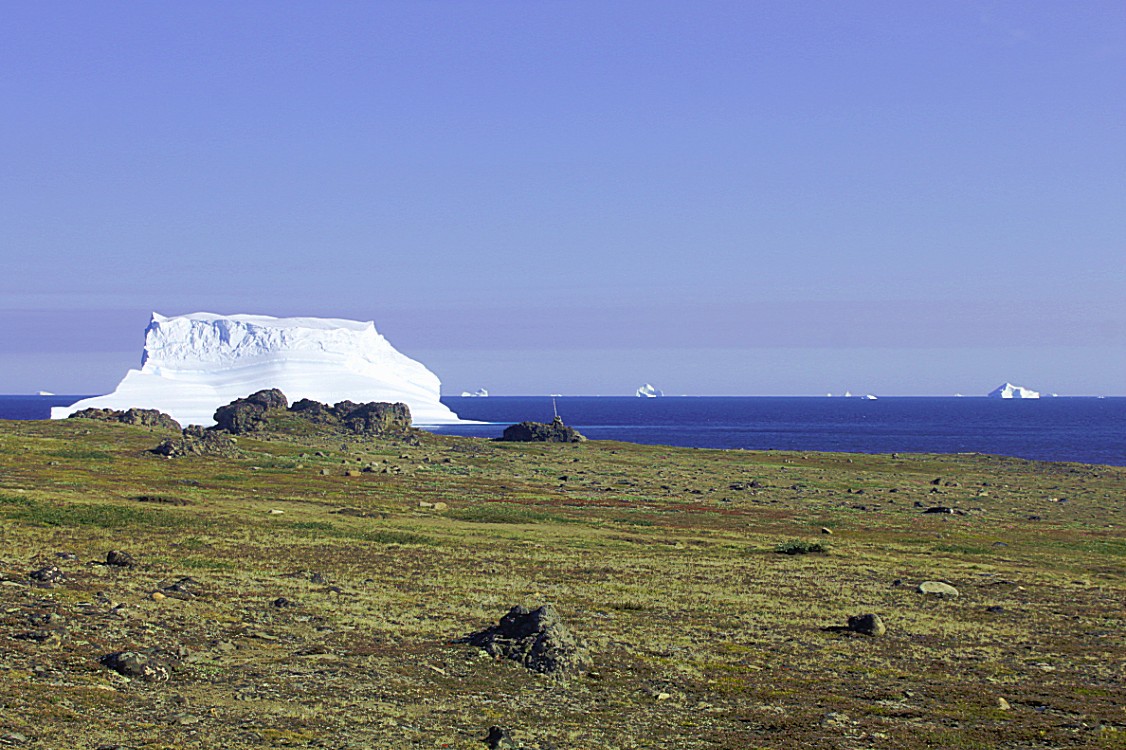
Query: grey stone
937, 588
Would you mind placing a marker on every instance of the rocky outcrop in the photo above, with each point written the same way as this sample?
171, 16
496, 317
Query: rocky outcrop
536, 638
540, 432
270, 410
140, 417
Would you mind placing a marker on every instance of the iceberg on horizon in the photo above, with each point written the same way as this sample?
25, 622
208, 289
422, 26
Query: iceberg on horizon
649, 391
479, 393
193, 364
1008, 390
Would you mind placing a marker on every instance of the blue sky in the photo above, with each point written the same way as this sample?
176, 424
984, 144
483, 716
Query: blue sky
578, 197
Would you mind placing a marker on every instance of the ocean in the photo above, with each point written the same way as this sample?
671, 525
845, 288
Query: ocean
1088, 430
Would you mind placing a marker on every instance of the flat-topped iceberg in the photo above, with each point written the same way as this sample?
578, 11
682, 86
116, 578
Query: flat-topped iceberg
193, 364
1008, 390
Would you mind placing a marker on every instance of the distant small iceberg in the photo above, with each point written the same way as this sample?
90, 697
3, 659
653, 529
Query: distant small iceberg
850, 394
649, 391
1008, 390
479, 393
44, 393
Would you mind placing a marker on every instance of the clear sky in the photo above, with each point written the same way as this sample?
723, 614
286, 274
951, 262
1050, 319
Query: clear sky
785, 197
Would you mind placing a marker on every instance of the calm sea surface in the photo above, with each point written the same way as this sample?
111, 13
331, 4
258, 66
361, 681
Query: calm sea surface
1090, 430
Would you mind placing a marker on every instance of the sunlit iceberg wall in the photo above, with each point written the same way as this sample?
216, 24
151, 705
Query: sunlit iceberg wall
193, 364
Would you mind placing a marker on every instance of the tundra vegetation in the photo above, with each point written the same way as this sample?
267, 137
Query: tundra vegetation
311, 588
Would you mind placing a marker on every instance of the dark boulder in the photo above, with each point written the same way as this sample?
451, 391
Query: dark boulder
536, 638
498, 738
540, 432
140, 417
869, 624
249, 414
118, 559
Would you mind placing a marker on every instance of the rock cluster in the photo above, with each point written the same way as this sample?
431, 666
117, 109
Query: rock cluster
536, 638
262, 410
141, 417
541, 432
196, 441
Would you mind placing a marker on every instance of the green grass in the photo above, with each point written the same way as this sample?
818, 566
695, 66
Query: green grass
673, 591
98, 515
505, 513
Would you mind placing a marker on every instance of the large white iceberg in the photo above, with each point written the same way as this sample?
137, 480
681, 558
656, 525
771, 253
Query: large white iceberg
193, 364
1008, 390
649, 391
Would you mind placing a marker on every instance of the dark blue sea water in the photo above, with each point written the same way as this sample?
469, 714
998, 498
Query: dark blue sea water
1089, 430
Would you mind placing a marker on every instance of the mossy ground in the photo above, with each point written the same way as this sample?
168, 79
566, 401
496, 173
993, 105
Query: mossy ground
662, 560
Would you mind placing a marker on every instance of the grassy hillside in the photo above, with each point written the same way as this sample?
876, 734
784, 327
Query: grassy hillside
310, 591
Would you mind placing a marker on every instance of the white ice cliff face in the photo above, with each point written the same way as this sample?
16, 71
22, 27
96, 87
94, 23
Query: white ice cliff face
193, 364
1008, 390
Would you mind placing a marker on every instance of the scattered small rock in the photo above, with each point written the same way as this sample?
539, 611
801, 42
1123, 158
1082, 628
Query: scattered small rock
937, 588
836, 719
282, 603
1003, 704
181, 588
826, 530
47, 576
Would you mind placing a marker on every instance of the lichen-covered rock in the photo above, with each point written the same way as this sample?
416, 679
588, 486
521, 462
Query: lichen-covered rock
541, 432
249, 414
141, 417
536, 638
